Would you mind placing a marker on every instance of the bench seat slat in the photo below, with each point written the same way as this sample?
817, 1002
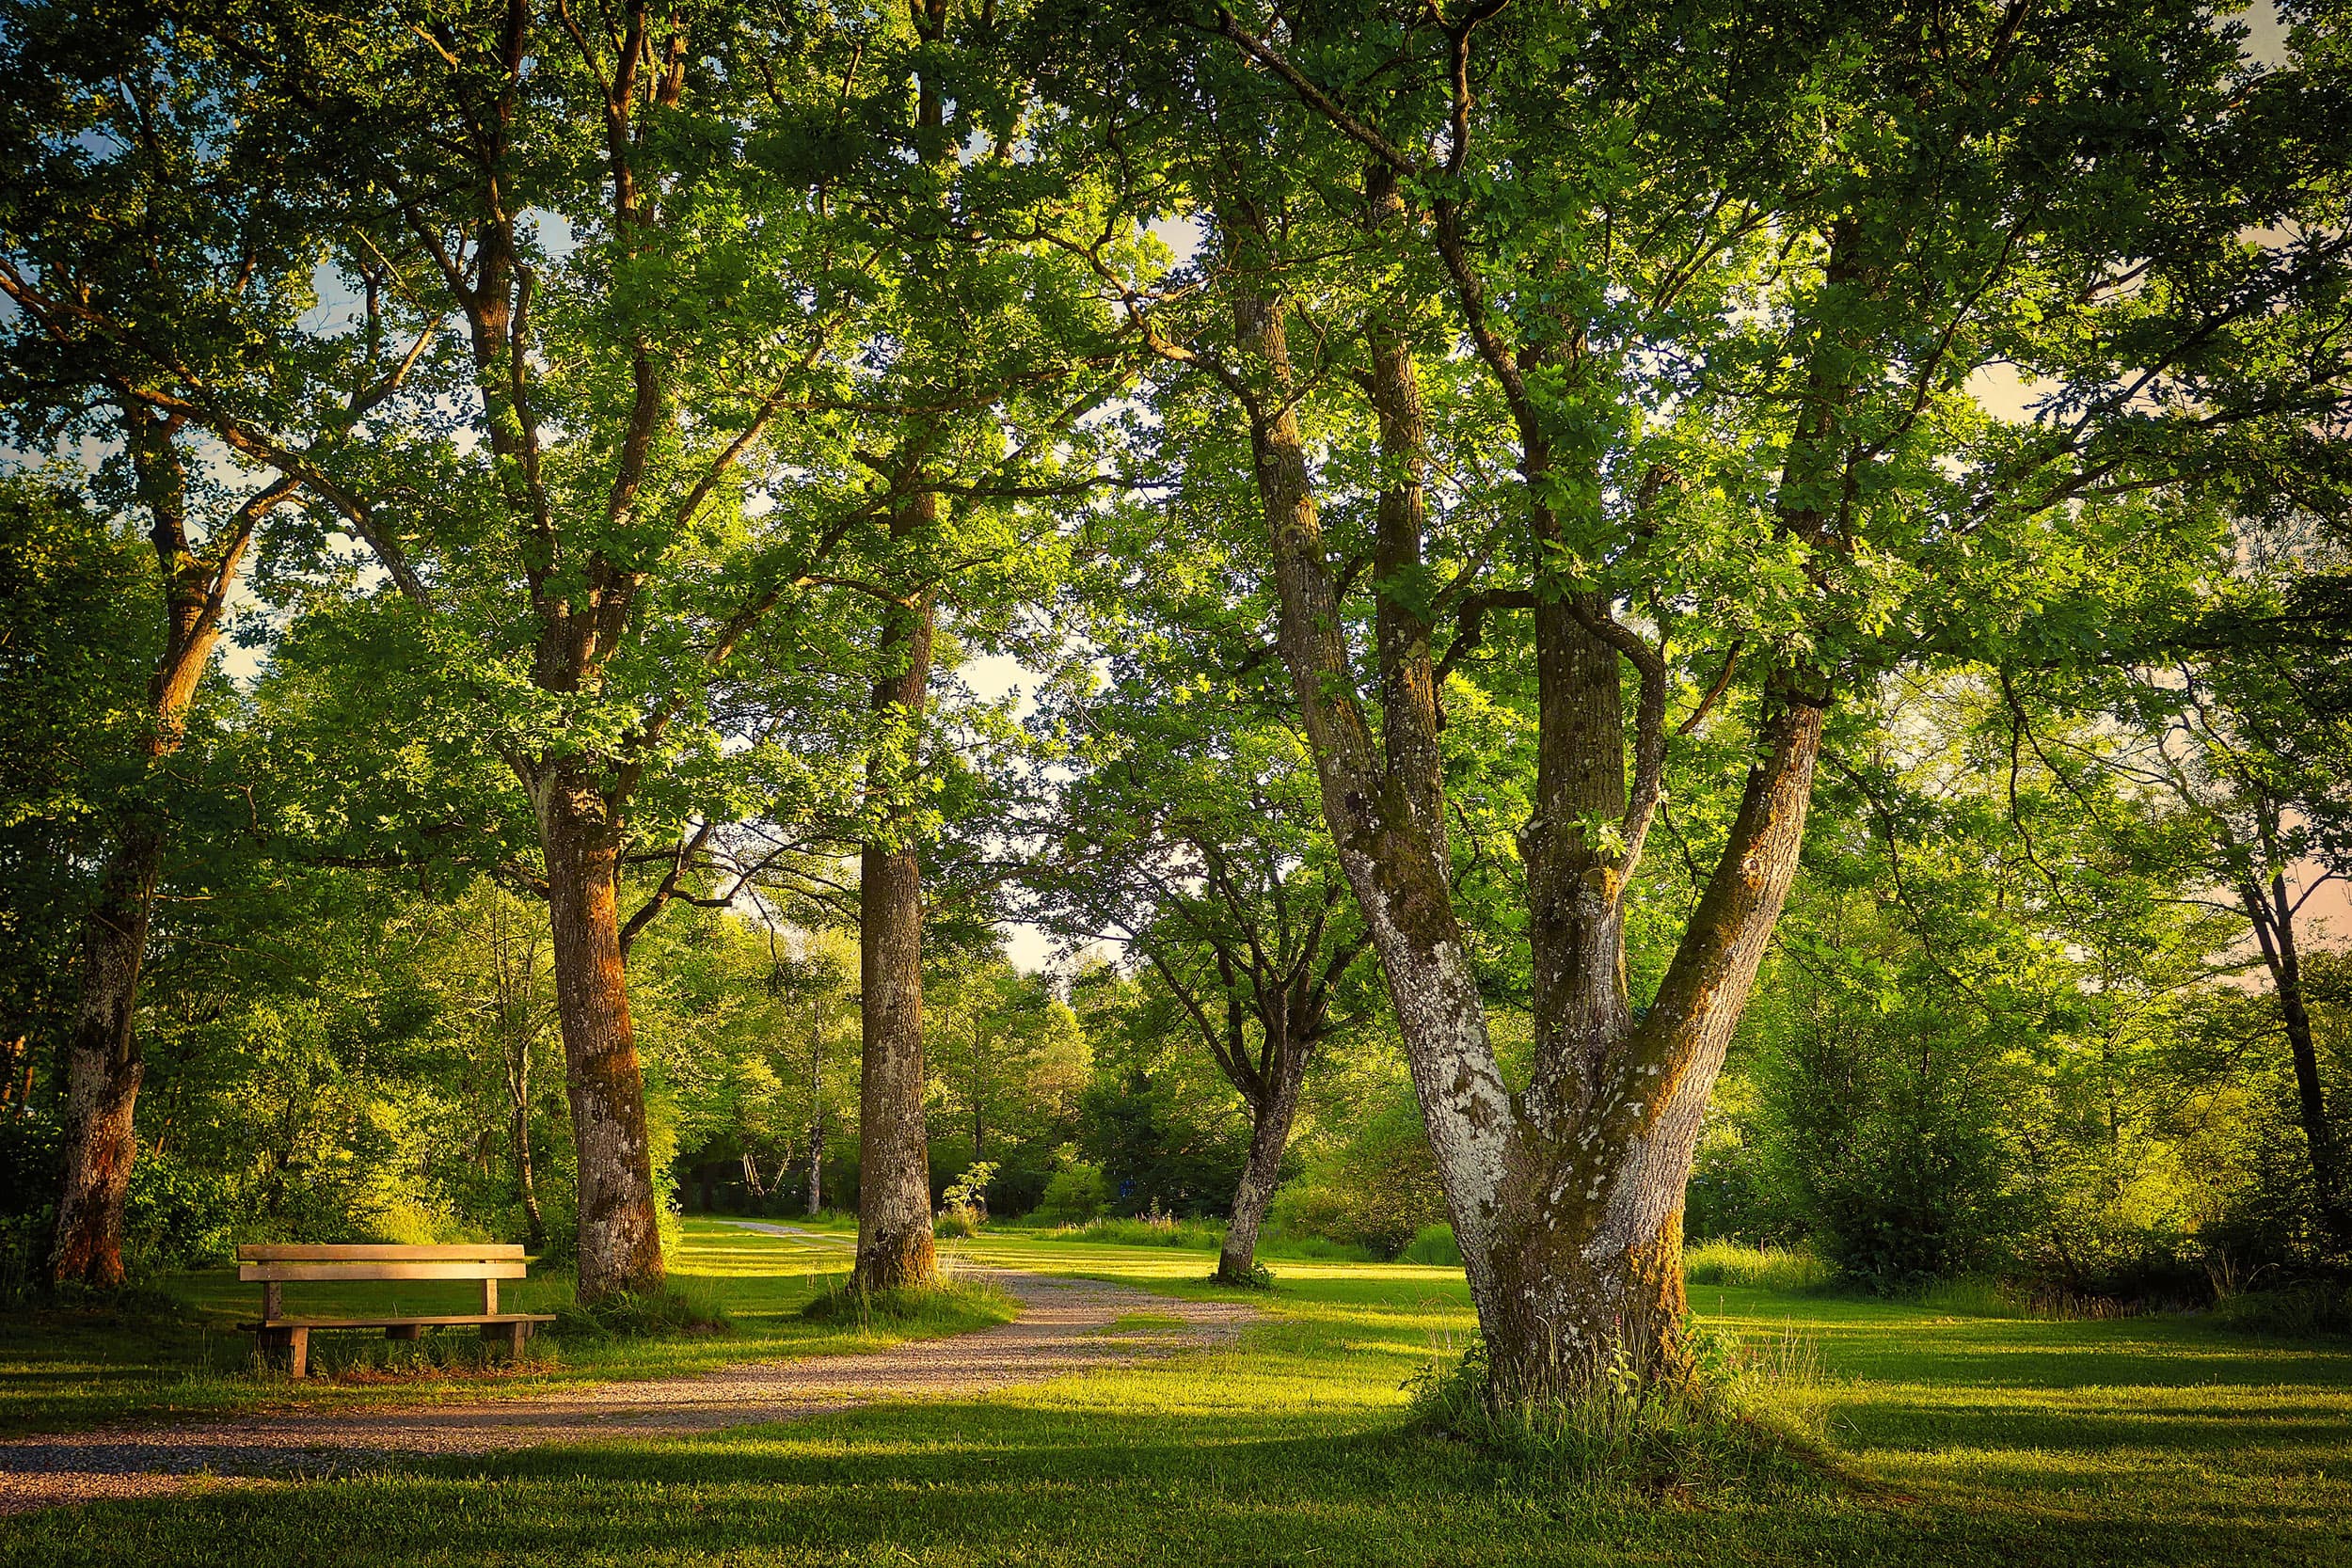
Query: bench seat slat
491, 1269
453, 1320
370, 1252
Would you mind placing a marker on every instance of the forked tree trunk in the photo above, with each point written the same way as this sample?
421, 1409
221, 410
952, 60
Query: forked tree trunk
894, 1200
1585, 1257
620, 1236
1567, 1199
103, 1069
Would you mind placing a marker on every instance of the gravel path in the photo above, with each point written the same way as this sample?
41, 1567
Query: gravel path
1059, 1332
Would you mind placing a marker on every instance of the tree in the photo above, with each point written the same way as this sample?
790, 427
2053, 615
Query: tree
1191, 837
1726, 293
130, 223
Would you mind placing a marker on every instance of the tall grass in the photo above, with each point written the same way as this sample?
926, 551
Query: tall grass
1145, 1230
1433, 1244
1767, 1267
1751, 1418
674, 1310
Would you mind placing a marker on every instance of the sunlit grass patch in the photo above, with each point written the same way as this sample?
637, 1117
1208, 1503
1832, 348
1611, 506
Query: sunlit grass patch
1771, 1268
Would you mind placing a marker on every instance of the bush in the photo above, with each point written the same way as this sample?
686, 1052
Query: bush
1434, 1244
956, 1224
665, 1313
1075, 1196
1747, 1420
1768, 1268
1378, 1191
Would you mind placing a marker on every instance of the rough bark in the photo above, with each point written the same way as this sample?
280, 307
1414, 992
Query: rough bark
894, 1205
620, 1239
103, 1069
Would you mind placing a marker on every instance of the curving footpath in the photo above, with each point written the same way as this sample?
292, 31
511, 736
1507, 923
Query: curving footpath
1059, 1333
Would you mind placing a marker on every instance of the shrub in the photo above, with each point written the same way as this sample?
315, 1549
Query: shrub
1075, 1195
956, 1224
1378, 1191
1434, 1244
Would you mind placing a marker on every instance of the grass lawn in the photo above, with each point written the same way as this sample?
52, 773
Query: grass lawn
1994, 1441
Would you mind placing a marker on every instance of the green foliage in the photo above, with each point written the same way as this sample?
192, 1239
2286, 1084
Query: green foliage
1377, 1189
1435, 1245
1076, 1194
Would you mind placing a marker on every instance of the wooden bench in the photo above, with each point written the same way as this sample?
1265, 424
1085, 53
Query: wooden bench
289, 1338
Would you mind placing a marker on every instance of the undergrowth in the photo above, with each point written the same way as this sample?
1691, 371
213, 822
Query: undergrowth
1749, 1419
671, 1311
951, 1303
2291, 1311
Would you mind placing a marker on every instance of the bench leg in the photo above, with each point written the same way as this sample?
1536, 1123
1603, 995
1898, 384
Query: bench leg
403, 1331
293, 1344
512, 1335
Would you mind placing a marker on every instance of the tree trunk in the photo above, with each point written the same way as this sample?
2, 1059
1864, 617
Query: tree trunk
1271, 1115
2273, 918
527, 1182
103, 1069
894, 1203
816, 1106
620, 1238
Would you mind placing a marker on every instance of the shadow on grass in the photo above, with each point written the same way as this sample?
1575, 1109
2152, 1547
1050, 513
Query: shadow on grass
983, 1483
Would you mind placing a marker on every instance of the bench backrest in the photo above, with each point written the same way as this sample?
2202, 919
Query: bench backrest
466, 1261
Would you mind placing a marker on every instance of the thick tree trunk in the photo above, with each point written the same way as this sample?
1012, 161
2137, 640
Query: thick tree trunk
894, 1204
103, 1069
620, 1236
1587, 1272
1271, 1115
